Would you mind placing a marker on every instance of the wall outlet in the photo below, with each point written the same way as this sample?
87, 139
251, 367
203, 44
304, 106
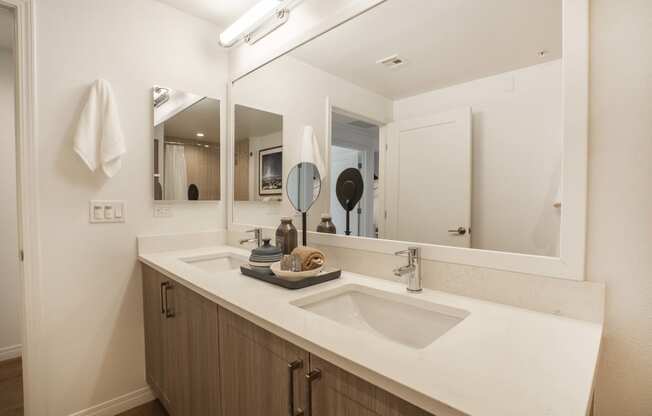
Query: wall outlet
162, 211
106, 212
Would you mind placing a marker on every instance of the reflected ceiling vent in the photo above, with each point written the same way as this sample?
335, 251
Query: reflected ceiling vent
361, 124
392, 62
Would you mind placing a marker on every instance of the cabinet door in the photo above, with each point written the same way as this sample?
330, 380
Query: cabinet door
339, 393
154, 316
193, 340
256, 376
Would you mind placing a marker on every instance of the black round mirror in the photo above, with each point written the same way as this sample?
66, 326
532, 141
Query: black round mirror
349, 188
303, 186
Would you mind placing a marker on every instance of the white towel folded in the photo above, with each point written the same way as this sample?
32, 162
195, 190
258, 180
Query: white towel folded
99, 140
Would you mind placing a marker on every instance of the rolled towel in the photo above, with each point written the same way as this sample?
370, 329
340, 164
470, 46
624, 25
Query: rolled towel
311, 258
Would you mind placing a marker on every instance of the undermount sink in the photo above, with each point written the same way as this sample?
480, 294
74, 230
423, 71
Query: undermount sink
222, 262
404, 319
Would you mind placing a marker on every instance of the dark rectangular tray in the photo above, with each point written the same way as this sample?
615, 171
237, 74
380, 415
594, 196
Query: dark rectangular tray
269, 277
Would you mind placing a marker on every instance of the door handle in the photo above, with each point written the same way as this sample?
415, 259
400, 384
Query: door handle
292, 367
310, 377
458, 231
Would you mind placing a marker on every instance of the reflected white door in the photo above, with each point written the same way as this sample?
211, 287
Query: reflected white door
431, 160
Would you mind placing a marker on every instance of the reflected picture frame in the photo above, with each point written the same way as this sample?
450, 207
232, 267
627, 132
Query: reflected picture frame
270, 171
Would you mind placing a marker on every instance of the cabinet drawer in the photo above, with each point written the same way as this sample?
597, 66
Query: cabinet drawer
339, 393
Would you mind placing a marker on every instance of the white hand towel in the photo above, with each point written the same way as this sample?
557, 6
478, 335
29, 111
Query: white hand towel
310, 150
99, 139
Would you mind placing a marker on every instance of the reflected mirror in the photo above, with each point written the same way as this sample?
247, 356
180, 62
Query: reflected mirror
258, 166
452, 115
186, 146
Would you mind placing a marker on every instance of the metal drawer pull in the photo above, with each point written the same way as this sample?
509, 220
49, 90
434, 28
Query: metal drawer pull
310, 377
169, 312
292, 367
162, 296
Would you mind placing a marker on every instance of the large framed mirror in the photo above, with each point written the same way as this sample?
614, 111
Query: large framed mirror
467, 128
187, 138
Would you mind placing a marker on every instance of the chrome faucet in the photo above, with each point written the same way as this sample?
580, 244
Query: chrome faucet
258, 237
412, 269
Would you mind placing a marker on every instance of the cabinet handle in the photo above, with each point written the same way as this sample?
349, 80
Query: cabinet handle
162, 296
292, 367
310, 377
169, 312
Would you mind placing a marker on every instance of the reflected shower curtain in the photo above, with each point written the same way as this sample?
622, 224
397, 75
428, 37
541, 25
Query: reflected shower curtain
176, 173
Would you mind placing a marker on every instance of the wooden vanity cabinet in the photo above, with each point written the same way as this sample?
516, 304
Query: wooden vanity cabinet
205, 360
158, 367
262, 374
181, 346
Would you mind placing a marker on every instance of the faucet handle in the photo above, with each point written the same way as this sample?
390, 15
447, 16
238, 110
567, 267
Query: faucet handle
258, 237
411, 252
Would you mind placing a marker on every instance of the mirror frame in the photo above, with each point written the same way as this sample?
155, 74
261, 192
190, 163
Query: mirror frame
575, 62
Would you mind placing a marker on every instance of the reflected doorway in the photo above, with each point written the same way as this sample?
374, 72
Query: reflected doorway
355, 143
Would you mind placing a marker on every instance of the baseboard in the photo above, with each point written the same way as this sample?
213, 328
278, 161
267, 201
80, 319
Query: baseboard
119, 404
9, 353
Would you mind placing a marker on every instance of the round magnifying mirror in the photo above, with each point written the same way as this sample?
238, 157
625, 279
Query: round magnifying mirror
303, 186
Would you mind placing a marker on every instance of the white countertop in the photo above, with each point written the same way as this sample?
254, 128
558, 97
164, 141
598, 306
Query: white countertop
499, 361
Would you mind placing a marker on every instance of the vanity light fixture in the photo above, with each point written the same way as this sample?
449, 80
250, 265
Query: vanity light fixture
200, 134
249, 22
254, 18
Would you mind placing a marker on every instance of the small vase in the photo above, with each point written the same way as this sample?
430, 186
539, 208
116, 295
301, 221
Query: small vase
286, 236
326, 225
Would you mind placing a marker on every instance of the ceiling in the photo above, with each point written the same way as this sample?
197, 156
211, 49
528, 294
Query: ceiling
220, 12
202, 117
6, 28
444, 42
250, 122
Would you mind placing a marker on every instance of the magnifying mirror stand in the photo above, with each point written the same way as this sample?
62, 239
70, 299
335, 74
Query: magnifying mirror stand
304, 228
348, 223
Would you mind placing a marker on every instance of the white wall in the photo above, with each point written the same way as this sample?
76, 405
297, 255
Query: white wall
620, 200
517, 147
91, 280
299, 93
10, 292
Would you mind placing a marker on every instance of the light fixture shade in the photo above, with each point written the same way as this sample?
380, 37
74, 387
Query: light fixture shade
249, 21
310, 150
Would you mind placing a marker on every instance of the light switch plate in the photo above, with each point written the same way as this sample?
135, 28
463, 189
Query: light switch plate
101, 212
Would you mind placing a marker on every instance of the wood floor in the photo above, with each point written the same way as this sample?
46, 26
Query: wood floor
148, 409
11, 388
